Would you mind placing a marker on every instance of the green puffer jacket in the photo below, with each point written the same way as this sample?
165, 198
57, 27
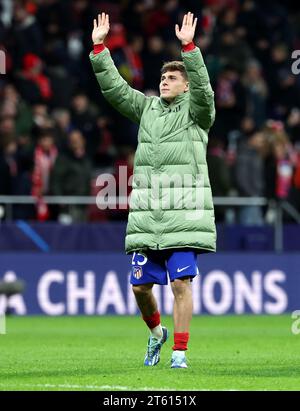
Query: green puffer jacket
171, 202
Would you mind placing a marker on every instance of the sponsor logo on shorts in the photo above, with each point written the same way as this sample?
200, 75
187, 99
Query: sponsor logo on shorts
137, 272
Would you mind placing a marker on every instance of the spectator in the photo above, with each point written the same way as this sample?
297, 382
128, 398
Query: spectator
63, 126
256, 93
293, 125
230, 98
6, 177
44, 157
153, 57
84, 119
26, 34
13, 105
105, 150
7, 130
219, 173
41, 119
284, 168
255, 33
233, 50
279, 162
71, 175
17, 168
250, 177
33, 84
295, 189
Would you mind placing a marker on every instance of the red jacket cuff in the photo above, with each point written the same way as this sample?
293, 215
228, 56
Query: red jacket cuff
98, 48
189, 47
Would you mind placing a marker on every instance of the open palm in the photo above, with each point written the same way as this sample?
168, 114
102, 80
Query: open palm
187, 31
101, 28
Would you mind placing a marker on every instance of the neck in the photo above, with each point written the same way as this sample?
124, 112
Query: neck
169, 100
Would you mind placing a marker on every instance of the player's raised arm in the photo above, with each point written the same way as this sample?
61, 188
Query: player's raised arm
202, 106
115, 89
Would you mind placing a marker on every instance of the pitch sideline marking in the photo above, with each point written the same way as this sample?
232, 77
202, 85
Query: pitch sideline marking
98, 387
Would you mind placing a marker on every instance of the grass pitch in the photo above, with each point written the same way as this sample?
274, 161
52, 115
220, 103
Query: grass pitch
106, 353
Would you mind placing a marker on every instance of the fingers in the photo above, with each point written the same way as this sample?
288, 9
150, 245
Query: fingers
95, 23
195, 23
103, 20
176, 29
188, 19
191, 19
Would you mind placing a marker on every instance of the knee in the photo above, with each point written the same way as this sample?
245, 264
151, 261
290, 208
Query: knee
141, 290
180, 287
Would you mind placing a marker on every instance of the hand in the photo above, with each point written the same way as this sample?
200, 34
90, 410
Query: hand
187, 31
101, 29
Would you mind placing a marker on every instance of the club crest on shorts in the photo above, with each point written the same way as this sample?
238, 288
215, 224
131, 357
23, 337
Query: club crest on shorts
137, 272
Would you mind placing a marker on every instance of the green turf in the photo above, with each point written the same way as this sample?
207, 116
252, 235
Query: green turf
103, 353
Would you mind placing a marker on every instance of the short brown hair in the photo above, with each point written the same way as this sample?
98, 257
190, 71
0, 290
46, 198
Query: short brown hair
174, 66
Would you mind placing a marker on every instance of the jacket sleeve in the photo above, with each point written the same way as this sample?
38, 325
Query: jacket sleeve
115, 89
202, 106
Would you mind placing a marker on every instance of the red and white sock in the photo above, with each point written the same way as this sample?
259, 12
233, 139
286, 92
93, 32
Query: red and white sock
180, 341
153, 323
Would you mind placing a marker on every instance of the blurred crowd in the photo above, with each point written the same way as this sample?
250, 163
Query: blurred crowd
57, 133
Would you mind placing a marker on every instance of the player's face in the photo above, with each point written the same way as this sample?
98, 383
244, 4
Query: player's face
172, 84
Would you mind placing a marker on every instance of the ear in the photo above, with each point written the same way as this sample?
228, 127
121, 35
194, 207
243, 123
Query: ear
186, 87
